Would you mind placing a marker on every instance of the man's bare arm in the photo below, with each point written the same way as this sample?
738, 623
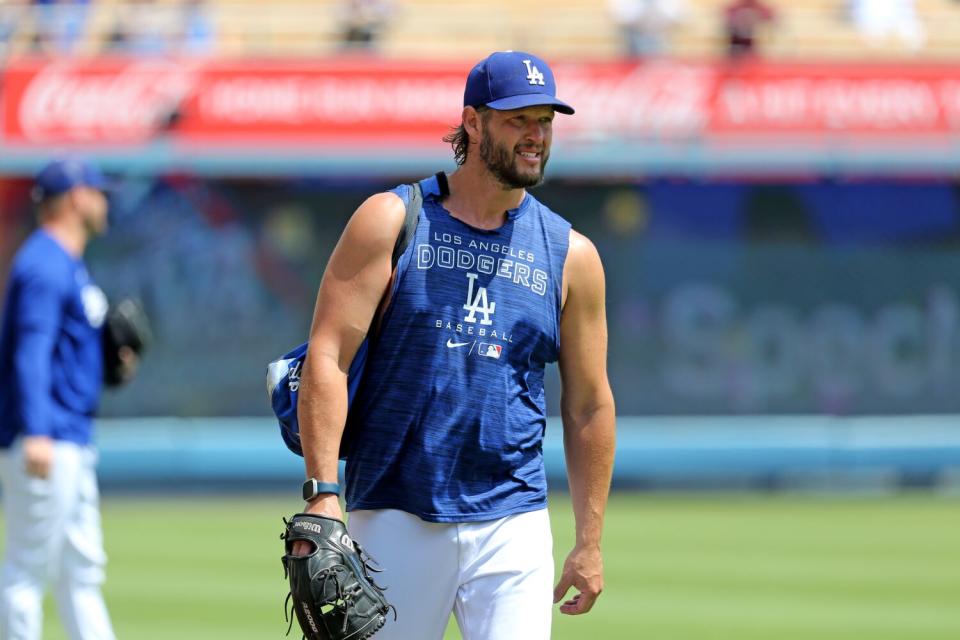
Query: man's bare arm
353, 284
588, 413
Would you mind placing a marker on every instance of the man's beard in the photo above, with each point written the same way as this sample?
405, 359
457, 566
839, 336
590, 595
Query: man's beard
95, 226
501, 162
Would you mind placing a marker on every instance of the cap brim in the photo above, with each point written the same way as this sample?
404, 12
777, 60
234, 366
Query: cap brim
531, 100
94, 179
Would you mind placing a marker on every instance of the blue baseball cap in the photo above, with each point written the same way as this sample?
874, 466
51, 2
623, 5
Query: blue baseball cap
512, 80
63, 174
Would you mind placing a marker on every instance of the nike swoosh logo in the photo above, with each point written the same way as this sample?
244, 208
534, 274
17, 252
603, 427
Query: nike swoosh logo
452, 344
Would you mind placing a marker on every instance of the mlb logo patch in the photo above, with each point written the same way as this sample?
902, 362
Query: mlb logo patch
488, 350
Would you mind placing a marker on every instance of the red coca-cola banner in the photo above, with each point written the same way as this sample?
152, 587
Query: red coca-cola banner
360, 101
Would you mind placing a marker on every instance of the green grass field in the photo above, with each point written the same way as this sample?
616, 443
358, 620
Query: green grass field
721, 567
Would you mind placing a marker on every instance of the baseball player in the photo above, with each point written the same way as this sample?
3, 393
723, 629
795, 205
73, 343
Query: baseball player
51, 368
445, 481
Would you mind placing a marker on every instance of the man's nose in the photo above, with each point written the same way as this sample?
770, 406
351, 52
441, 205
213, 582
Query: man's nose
535, 132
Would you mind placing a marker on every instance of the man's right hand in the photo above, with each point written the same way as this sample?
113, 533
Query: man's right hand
328, 505
38, 455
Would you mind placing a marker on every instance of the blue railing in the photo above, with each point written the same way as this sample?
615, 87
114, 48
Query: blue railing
655, 452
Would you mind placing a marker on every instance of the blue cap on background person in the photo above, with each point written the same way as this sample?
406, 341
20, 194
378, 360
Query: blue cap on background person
512, 80
63, 174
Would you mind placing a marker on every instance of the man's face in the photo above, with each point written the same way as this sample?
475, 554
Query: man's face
92, 207
515, 145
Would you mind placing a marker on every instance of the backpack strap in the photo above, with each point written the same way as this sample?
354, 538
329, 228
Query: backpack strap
408, 231
443, 184
412, 216
410, 220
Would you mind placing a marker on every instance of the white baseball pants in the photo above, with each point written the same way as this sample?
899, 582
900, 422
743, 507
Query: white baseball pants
53, 538
496, 577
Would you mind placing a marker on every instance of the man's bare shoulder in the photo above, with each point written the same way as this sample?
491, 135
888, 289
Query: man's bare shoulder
583, 267
380, 215
581, 247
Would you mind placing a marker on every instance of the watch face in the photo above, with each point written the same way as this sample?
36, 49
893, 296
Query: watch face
309, 489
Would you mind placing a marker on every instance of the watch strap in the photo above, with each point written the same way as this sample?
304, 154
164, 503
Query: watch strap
313, 487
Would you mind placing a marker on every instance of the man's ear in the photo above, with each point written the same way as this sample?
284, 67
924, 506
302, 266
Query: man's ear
74, 198
472, 123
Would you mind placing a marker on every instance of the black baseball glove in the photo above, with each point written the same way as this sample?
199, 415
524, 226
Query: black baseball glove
126, 327
332, 592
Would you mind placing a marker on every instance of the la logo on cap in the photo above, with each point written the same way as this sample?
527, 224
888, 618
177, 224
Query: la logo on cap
533, 74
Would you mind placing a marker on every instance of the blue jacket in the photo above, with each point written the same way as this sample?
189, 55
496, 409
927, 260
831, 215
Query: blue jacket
51, 362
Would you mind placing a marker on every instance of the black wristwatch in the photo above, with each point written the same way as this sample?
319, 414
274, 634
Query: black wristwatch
313, 488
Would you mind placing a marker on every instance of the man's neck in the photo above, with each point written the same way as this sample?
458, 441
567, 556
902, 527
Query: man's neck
479, 199
73, 239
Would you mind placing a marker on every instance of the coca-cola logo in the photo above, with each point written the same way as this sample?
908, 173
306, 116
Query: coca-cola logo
126, 104
656, 99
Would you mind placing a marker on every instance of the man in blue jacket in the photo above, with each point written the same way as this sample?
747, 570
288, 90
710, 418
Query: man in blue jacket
51, 372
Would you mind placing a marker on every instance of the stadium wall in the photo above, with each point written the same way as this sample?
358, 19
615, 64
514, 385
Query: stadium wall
759, 452
724, 297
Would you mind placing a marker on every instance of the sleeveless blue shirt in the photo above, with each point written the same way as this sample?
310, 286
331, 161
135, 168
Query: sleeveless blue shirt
449, 419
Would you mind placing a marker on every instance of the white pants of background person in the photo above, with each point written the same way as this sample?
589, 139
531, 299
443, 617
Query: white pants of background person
496, 577
53, 539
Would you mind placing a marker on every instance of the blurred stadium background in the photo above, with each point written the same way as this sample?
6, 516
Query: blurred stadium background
773, 189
